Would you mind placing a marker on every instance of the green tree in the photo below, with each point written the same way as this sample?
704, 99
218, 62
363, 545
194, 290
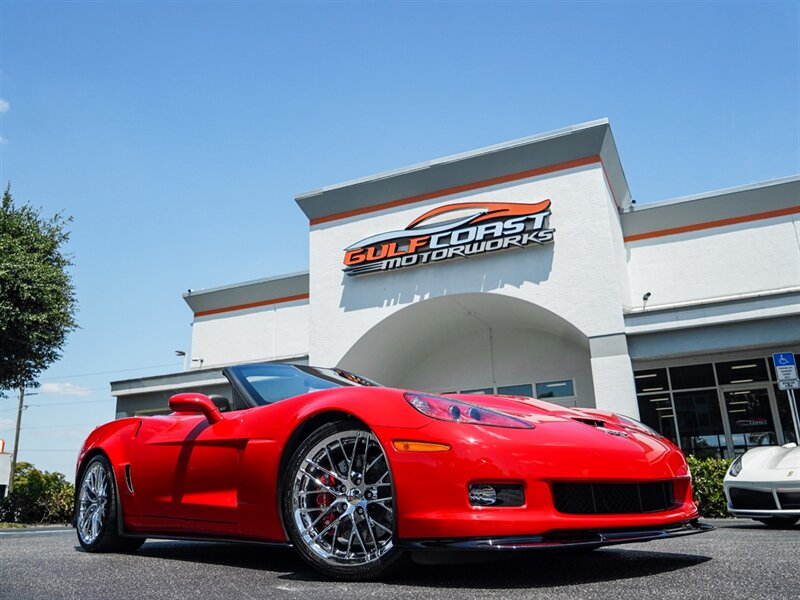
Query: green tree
37, 298
38, 497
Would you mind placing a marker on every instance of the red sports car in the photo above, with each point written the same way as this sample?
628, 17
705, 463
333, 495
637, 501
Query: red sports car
355, 475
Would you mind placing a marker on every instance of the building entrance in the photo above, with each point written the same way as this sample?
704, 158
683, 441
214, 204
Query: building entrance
751, 415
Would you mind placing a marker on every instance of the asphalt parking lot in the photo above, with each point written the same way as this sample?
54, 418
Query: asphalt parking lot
740, 559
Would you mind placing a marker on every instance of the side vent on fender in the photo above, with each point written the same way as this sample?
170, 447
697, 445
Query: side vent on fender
128, 478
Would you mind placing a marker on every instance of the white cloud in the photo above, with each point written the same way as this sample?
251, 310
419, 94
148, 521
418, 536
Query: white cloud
3, 140
64, 389
4, 106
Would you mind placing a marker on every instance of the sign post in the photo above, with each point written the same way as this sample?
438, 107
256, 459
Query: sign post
786, 370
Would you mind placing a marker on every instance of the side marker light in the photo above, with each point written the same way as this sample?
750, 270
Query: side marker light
411, 446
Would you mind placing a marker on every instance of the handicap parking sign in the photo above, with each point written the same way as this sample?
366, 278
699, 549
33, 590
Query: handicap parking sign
785, 366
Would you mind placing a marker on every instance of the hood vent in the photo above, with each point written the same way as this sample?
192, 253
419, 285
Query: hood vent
589, 421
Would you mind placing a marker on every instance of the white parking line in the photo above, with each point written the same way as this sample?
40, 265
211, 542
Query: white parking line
37, 532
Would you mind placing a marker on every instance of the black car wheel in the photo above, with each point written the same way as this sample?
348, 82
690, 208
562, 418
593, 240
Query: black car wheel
96, 510
338, 503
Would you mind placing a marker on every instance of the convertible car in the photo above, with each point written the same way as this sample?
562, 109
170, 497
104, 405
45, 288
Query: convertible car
354, 475
764, 484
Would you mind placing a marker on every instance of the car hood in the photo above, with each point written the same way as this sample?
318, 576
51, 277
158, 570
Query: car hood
772, 458
537, 411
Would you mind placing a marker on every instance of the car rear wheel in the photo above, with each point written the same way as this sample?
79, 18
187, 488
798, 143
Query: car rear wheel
338, 503
96, 510
779, 522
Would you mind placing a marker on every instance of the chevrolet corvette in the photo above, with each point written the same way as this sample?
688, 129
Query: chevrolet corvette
764, 484
354, 475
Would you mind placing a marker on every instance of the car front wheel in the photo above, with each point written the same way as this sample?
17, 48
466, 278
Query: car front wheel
96, 510
338, 503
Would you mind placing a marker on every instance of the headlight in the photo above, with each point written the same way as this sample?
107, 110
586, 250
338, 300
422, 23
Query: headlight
635, 425
456, 411
736, 467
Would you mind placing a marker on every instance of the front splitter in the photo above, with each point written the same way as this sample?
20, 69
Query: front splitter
556, 540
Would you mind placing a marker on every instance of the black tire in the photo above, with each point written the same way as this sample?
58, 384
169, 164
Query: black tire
349, 509
104, 536
779, 522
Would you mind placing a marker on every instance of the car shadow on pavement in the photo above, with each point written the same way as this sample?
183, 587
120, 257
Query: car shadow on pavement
229, 554
548, 570
528, 571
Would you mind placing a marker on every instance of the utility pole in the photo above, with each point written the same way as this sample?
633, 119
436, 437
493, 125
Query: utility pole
16, 439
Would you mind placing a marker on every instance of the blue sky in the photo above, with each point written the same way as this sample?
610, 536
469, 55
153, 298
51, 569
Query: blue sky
177, 134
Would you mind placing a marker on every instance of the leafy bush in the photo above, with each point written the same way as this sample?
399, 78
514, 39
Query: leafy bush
707, 476
38, 497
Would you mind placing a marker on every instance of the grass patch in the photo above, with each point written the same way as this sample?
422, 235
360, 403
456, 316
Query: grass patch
12, 525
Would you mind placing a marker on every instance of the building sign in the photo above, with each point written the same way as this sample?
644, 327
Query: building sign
458, 230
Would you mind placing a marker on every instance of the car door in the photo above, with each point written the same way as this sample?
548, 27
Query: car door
186, 469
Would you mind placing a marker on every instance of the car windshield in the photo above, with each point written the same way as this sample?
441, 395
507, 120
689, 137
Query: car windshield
269, 383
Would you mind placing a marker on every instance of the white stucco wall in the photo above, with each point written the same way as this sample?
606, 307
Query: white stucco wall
264, 333
575, 277
580, 277
520, 356
715, 263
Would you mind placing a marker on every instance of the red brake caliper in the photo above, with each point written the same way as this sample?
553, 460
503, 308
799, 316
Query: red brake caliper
324, 500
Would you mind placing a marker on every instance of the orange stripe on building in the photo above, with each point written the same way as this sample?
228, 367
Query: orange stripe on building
216, 311
782, 212
458, 189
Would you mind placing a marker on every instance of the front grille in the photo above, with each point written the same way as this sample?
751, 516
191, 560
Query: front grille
751, 499
789, 500
612, 498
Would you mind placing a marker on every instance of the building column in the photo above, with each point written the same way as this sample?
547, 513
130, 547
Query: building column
612, 375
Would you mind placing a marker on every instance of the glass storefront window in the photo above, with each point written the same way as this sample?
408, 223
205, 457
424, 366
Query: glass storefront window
651, 380
750, 419
785, 415
692, 376
656, 411
742, 371
479, 391
555, 389
700, 423
526, 389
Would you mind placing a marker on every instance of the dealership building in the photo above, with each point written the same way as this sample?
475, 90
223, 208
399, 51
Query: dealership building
526, 268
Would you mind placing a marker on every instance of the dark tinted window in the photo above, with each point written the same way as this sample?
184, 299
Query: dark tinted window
692, 376
651, 380
750, 419
742, 371
555, 389
785, 414
479, 391
656, 412
700, 423
526, 389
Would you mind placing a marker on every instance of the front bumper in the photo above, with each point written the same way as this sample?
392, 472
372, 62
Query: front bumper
555, 540
432, 488
779, 498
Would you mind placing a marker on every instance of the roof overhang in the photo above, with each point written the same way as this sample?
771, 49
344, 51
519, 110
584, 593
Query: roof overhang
574, 146
249, 294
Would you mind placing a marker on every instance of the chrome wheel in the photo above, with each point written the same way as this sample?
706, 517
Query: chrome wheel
93, 499
341, 501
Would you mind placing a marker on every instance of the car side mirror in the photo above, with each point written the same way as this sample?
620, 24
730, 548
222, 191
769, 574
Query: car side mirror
221, 402
195, 403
